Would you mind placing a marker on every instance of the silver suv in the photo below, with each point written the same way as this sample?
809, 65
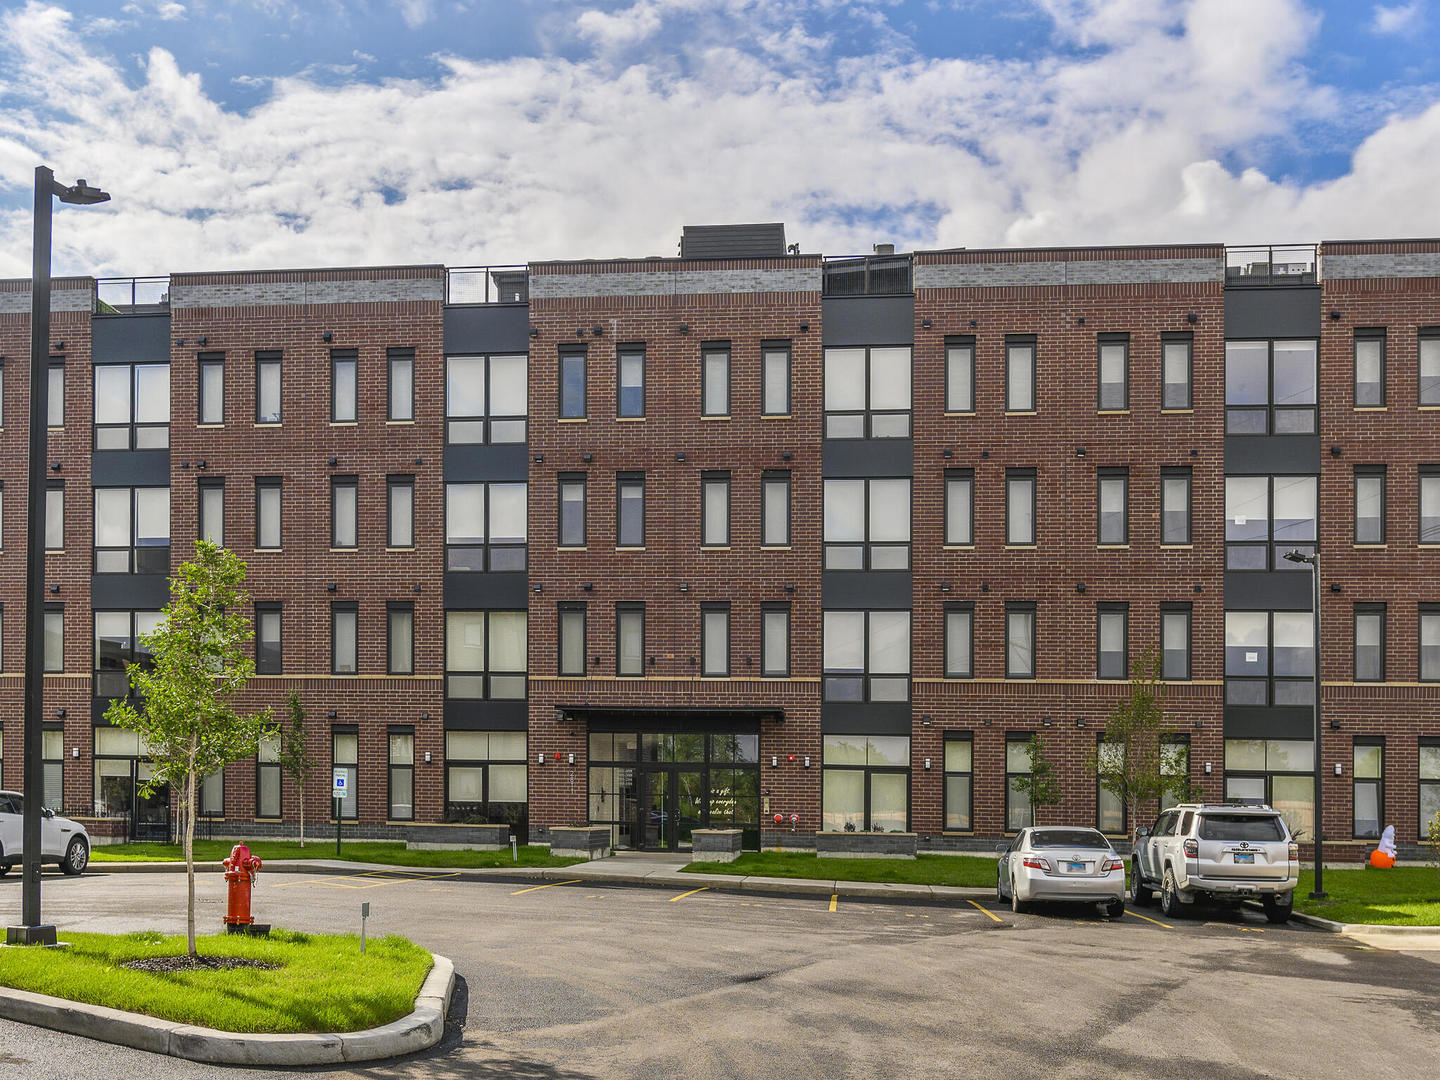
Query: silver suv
1217, 853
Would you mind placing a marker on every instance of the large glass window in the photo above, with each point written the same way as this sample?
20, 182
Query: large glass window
1369, 642
1109, 808
132, 406
211, 494
959, 507
714, 509
1429, 642
1177, 392
1113, 506
1267, 516
267, 388
1429, 504
1429, 768
400, 798
570, 655
117, 646
1019, 814
572, 509
865, 783
267, 639
52, 751
867, 393
1175, 506
775, 387
1020, 507
775, 509
55, 515
344, 645
630, 510
1112, 641
486, 779
400, 511
1020, 641
572, 383
267, 512
345, 757
400, 639
485, 399
867, 524
268, 778
1175, 641
485, 527
1269, 658
344, 512
1369, 368
485, 655
960, 375
866, 655
1280, 772
1270, 387
630, 381
630, 639
54, 638
400, 384
959, 783
1369, 788
1429, 370
212, 388
715, 640
344, 385
1114, 370
55, 395
1370, 504
775, 641
1019, 373
132, 530
715, 376
959, 641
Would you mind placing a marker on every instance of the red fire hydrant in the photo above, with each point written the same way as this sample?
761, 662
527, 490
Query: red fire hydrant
240, 870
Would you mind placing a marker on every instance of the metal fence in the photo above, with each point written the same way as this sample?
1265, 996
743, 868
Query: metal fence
487, 285
867, 275
1274, 264
132, 295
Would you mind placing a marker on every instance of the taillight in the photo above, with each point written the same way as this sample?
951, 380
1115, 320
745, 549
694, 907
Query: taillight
1294, 852
1113, 864
1034, 862
1192, 849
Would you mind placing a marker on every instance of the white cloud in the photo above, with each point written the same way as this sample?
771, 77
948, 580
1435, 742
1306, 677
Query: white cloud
1397, 18
416, 12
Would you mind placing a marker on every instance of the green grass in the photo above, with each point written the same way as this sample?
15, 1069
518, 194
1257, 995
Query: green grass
963, 870
1402, 896
323, 985
371, 851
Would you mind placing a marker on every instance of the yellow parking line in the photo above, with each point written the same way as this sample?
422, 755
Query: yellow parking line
834, 901
1147, 918
692, 892
984, 911
537, 888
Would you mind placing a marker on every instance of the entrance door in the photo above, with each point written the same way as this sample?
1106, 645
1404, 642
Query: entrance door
673, 804
152, 814
656, 816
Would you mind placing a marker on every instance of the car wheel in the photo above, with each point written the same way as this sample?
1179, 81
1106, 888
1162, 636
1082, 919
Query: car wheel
1114, 908
4, 868
1169, 897
77, 857
1016, 904
1139, 891
1276, 912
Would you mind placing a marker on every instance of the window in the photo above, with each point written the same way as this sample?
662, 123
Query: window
400, 384
775, 641
1019, 373
400, 639
212, 794
400, 511
959, 783
715, 640
485, 527
1429, 642
572, 384
132, 530
1279, 772
630, 510
55, 515
1429, 783
1019, 814
1177, 365
117, 646
1269, 658
52, 750
1429, 504
485, 655
1175, 641
212, 388
775, 378
344, 510
1112, 641
1113, 506
1369, 642
867, 393
630, 381
1175, 768
867, 524
959, 641
572, 509
715, 509
267, 777
1019, 507
866, 655
55, 395
267, 639
1270, 388
1370, 504
775, 509
715, 375
1020, 641
1109, 808
485, 778
1114, 368
400, 797
865, 783
630, 639
486, 399
960, 375
1369, 778
267, 388
1266, 516
211, 498
344, 385
267, 512
959, 507
570, 656
344, 620
1369, 368
345, 757
1174, 506
1429, 374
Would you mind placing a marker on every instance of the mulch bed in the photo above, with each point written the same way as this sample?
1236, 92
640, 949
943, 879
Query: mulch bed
164, 965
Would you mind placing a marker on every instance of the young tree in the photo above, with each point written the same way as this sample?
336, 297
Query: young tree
1039, 784
186, 718
295, 756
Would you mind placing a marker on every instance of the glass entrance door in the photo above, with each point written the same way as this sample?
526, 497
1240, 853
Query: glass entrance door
152, 813
656, 816
672, 807
691, 797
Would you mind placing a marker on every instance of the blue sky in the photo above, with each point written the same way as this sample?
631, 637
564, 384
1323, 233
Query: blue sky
279, 132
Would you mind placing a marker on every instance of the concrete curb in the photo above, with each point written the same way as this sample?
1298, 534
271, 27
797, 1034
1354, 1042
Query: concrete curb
1330, 926
421, 1029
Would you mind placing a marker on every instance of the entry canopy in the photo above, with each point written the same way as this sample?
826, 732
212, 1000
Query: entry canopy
667, 718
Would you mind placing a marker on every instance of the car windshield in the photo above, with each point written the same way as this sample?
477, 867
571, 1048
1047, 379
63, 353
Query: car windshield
1053, 838
1240, 827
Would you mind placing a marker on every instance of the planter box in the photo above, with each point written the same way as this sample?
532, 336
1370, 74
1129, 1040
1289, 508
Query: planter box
458, 837
715, 845
587, 841
864, 845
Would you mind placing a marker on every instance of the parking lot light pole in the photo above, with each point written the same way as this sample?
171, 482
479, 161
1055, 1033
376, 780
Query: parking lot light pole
32, 931
1313, 559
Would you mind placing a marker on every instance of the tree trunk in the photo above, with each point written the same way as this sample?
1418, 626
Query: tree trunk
189, 808
302, 813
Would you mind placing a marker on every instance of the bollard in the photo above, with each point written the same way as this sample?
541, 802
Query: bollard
364, 914
514, 849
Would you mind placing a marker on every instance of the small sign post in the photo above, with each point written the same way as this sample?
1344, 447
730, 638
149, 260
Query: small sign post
341, 792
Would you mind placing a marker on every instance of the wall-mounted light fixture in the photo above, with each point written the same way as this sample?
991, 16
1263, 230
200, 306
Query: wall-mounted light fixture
327, 336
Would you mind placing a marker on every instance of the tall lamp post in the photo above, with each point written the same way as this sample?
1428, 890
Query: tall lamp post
33, 932
1313, 559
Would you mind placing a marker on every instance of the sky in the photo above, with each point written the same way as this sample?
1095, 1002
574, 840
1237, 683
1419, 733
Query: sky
237, 134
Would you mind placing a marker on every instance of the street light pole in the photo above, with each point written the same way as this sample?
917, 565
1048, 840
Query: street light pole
1318, 893
32, 931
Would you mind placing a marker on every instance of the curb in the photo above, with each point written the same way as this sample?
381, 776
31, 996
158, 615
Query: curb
1330, 926
420, 1030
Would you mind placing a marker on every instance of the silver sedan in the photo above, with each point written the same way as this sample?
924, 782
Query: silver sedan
1065, 864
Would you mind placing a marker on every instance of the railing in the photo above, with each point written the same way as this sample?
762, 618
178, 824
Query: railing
867, 275
1257, 267
132, 295
487, 285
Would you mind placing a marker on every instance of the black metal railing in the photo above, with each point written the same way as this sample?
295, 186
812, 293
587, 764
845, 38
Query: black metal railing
867, 275
1260, 267
132, 295
487, 285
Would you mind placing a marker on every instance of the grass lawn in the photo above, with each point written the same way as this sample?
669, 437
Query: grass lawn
324, 984
964, 870
1402, 896
372, 851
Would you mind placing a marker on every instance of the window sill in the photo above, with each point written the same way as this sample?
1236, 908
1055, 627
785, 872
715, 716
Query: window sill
776, 547
1372, 408
630, 419
1177, 547
200, 427
1022, 412
258, 818
399, 423
1112, 547
265, 551
268, 424
1428, 547
572, 547
776, 416
1428, 408
704, 417
54, 551
1022, 547
631, 547
958, 547
572, 420
1176, 412
60, 428
397, 550
714, 547
962, 412
1112, 412
1369, 547
344, 423
351, 550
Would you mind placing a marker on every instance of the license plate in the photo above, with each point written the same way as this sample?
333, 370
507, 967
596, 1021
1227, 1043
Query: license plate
1074, 867
1247, 859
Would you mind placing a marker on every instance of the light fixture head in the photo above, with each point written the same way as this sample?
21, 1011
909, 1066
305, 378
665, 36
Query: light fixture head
81, 194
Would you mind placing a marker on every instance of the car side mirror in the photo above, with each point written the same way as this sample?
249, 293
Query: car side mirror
1002, 848
47, 812
1142, 832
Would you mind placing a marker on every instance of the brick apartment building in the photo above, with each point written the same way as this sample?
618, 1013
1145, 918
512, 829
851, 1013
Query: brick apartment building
663, 543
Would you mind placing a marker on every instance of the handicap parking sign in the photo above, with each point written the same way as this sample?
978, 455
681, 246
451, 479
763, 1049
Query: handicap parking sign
342, 785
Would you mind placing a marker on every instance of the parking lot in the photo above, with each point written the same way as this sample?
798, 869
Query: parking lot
575, 980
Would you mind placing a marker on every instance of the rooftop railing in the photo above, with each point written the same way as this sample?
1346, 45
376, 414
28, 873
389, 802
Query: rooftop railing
487, 285
1258, 267
867, 275
132, 295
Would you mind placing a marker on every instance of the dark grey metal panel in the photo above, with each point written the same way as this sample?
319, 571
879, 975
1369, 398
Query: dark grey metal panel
867, 320
114, 468
763, 241
510, 462
1254, 722
129, 339
139, 591
885, 589
867, 457
486, 591
1282, 590
651, 720
858, 718
1272, 312
1272, 454
486, 328
487, 715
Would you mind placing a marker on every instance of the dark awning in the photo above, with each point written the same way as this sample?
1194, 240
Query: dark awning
667, 718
